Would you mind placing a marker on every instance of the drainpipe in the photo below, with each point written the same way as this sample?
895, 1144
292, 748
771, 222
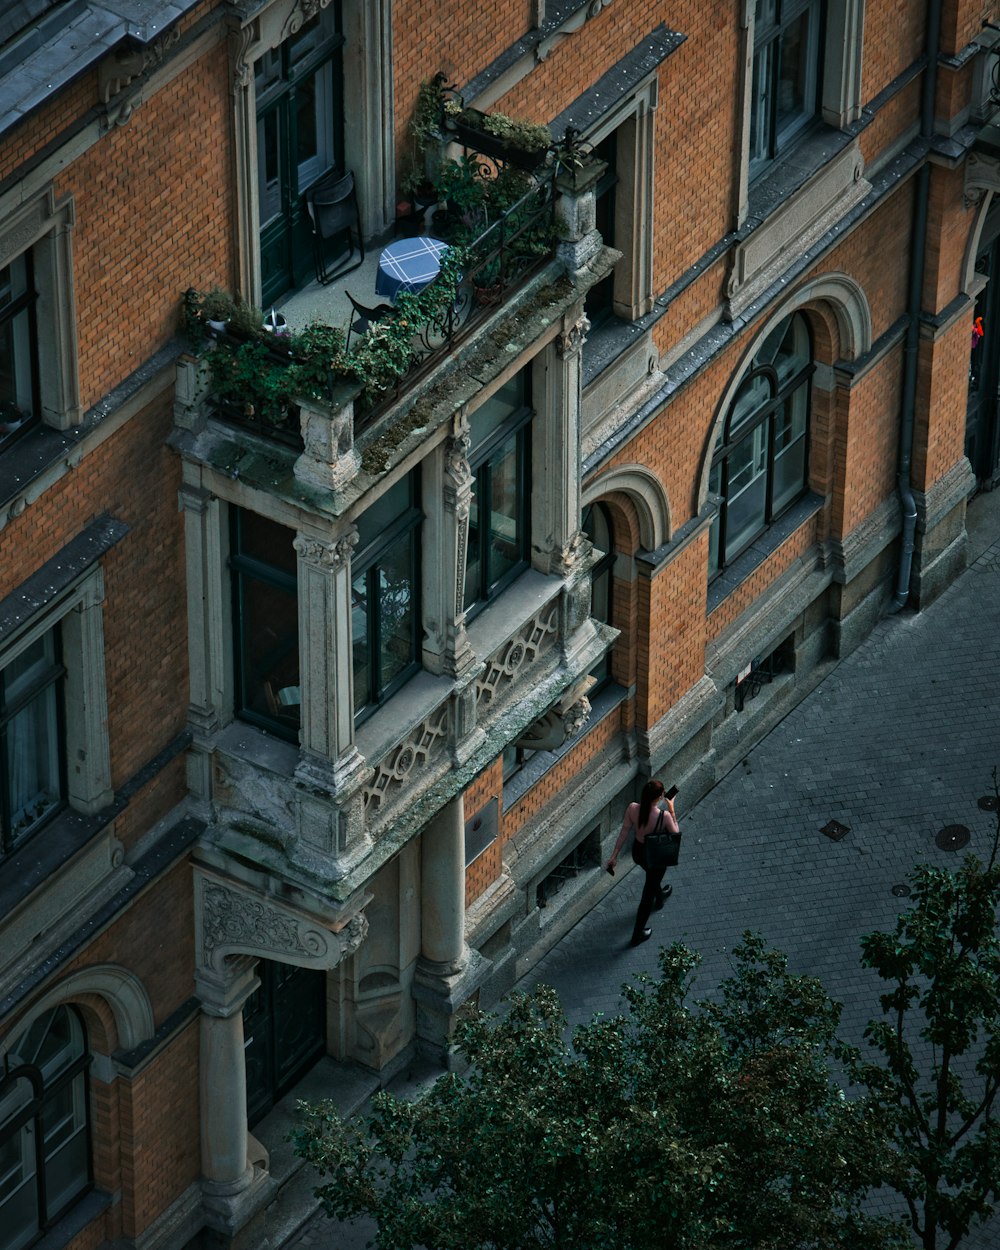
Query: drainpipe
918, 248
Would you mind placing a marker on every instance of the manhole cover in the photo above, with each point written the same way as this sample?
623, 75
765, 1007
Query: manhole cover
835, 830
901, 891
989, 803
952, 838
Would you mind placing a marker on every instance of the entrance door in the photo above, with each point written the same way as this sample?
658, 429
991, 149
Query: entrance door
982, 422
299, 137
284, 1027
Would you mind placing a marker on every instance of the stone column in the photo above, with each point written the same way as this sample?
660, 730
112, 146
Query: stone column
210, 670
442, 888
556, 512
223, 1081
446, 530
331, 768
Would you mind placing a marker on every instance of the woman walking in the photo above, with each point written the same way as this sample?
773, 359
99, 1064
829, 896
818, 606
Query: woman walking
643, 818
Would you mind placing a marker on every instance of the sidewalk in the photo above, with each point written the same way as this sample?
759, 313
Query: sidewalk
897, 742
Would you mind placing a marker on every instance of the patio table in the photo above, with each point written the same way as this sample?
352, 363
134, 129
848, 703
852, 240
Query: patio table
408, 265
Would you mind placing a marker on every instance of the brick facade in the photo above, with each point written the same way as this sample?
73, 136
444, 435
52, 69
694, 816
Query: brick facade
195, 853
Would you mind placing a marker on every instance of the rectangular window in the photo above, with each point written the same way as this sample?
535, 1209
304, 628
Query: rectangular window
266, 624
786, 89
32, 756
18, 350
385, 585
498, 545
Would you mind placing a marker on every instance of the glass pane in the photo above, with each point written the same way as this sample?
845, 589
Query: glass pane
32, 751
19, 1207
267, 72
53, 1042
505, 511
16, 380
790, 419
507, 401
789, 475
794, 352
29, 667
269, 166
747, 501
760, 113
396, 611
360, 641
383, 513
267, 541
752, 396
66, 1171
270, 660
796, 85
305, 119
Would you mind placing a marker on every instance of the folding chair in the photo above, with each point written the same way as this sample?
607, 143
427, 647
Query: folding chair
332, 205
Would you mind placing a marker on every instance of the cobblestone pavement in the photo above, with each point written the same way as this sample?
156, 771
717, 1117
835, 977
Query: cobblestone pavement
898, 741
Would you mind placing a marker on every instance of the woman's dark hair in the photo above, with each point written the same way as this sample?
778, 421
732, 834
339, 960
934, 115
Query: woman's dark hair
651, 791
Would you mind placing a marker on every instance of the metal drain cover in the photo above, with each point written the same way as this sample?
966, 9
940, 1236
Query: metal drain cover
952, 838
834, 830
989, 803
901, 891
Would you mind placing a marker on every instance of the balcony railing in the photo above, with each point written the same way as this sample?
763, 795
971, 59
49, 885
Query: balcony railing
257, 375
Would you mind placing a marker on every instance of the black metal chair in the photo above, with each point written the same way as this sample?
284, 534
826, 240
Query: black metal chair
366, 316
332, 205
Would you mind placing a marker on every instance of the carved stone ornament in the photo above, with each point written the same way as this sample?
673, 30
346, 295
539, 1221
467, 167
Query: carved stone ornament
237, 921
415, 752
518, 654
326, 555
303, 12
572, 339
126, 64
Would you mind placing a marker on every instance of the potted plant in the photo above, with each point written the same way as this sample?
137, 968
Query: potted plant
503, 138
217, 306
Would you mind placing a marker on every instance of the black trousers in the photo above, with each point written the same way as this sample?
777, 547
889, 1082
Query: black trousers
652, 888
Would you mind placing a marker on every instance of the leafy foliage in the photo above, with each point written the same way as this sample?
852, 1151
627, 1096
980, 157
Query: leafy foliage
695, 1126
939, 1039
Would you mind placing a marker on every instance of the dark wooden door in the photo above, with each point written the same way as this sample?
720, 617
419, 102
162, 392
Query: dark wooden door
284, 1030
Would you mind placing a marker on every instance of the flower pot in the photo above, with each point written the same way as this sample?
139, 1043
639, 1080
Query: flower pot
469, 133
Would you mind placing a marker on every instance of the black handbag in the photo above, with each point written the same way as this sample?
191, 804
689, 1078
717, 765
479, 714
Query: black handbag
663, 846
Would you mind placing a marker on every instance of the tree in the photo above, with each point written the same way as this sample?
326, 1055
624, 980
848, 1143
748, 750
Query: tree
939, 1039
712, 1125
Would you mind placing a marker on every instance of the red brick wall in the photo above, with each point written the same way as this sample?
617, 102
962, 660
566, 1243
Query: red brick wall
893, 39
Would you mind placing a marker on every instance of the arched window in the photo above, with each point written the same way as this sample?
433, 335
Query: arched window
596, 524
760, 463
44, 1126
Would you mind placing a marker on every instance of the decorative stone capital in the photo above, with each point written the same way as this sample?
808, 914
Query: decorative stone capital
326, 556
570, 342
232, 919
574, 557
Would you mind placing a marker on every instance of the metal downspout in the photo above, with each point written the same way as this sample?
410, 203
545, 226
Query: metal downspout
918, 249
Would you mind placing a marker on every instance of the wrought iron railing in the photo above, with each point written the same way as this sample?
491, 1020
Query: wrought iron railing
494, 264
487, 266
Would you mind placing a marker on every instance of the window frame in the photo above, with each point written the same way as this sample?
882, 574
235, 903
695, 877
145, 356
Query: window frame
747, 428
517, 425
33, 1112
41, 231
367, 563
767, 43
243, 566
54, 676
21, 306
604, 567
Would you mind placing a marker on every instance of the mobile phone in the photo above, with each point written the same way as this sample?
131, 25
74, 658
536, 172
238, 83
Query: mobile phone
672, 792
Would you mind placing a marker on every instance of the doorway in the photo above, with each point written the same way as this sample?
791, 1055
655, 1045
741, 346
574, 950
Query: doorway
284, 1030
982, 420
299, 90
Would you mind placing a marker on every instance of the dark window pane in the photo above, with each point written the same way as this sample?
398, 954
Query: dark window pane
396, 612
505, 512
360, 641
270, 630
